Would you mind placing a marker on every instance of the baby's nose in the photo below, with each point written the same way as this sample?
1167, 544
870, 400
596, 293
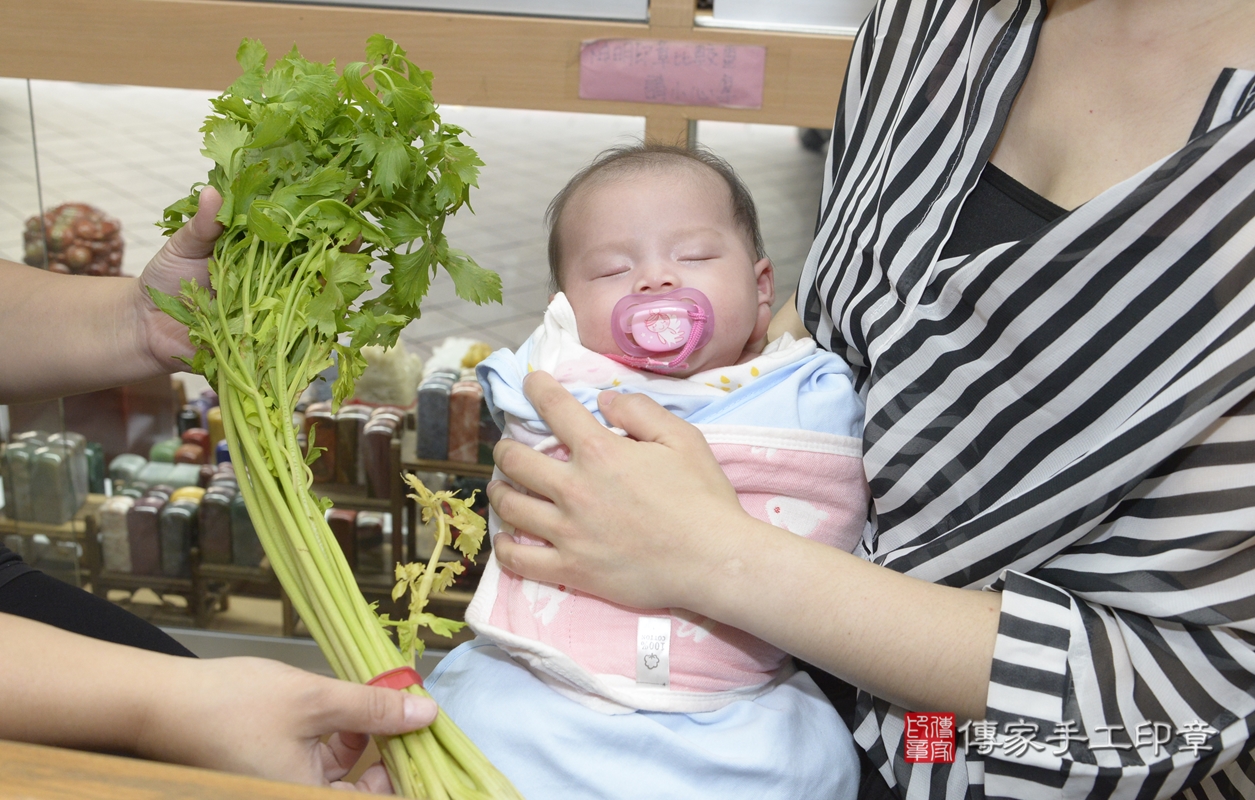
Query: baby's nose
656, 278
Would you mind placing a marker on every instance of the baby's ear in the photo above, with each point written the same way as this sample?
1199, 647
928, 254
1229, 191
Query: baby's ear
765, 277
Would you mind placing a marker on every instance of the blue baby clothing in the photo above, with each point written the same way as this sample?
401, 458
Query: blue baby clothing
554, 748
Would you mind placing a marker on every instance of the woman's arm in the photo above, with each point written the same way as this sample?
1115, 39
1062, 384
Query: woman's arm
688, 544
66, 334
245, 715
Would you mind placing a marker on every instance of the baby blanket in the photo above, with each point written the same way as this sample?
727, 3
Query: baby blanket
785, 426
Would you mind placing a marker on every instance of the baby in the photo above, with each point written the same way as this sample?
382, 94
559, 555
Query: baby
664, 289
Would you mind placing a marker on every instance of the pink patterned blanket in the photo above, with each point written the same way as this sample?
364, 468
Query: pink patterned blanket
622, 659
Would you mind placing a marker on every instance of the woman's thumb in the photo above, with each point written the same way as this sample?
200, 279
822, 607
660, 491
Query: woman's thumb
375, 710
196, 239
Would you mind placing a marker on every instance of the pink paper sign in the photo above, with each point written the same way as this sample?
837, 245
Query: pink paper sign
675, 73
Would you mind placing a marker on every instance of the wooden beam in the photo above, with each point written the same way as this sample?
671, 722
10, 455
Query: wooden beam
672, 128
669, 18
478, 59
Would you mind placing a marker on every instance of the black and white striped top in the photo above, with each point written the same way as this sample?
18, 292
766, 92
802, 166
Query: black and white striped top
1066, 418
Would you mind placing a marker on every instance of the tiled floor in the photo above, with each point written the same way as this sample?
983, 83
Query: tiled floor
131, 151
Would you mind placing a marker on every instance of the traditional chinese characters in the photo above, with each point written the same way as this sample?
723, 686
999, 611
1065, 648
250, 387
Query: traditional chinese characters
934, 738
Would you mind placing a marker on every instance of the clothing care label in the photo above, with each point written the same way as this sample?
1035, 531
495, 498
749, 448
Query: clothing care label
674, 73
653, 650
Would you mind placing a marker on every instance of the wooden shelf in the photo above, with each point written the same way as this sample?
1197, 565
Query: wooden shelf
478, 59
81, 530
66, 531
357, 497
71, 531
455, 467
129, 581
248, 581
236, 572
202, 598
351, 496
410, 463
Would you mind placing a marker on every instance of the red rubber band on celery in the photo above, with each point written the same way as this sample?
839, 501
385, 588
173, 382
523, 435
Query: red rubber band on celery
399, 678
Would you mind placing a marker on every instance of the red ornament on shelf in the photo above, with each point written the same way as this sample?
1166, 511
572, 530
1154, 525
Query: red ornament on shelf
75, 239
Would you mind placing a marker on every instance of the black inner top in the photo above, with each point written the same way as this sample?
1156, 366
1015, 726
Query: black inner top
27, 592
11, 565
999, 209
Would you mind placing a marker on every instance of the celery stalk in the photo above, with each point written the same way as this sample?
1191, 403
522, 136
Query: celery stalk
322, 174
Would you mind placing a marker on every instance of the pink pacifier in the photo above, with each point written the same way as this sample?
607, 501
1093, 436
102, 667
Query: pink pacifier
645, 325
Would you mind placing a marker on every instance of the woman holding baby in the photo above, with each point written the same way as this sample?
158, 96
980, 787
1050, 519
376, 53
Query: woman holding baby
1034, 251
1035, 254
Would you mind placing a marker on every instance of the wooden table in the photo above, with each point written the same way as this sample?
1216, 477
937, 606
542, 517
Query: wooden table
32, 772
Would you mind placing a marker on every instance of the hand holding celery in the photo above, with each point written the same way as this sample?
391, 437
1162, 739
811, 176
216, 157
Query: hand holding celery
310, 163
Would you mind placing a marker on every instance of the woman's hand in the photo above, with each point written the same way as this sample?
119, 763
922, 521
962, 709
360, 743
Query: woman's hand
185, 256
259, 717
642, 521
654, 523
107, 331
246, 715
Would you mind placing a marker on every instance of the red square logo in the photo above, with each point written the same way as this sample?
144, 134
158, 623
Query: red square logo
929, 738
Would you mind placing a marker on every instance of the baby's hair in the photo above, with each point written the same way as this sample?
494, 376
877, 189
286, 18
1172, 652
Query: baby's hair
635, 158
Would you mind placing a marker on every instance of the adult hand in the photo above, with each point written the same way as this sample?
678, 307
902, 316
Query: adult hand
642, 521
108, 332
185, 256
654, 523
246, 715
259, 717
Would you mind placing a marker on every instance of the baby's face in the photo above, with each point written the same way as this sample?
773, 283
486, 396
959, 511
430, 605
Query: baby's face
656, 231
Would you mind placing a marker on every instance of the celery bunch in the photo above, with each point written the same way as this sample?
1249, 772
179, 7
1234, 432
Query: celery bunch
321, 175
